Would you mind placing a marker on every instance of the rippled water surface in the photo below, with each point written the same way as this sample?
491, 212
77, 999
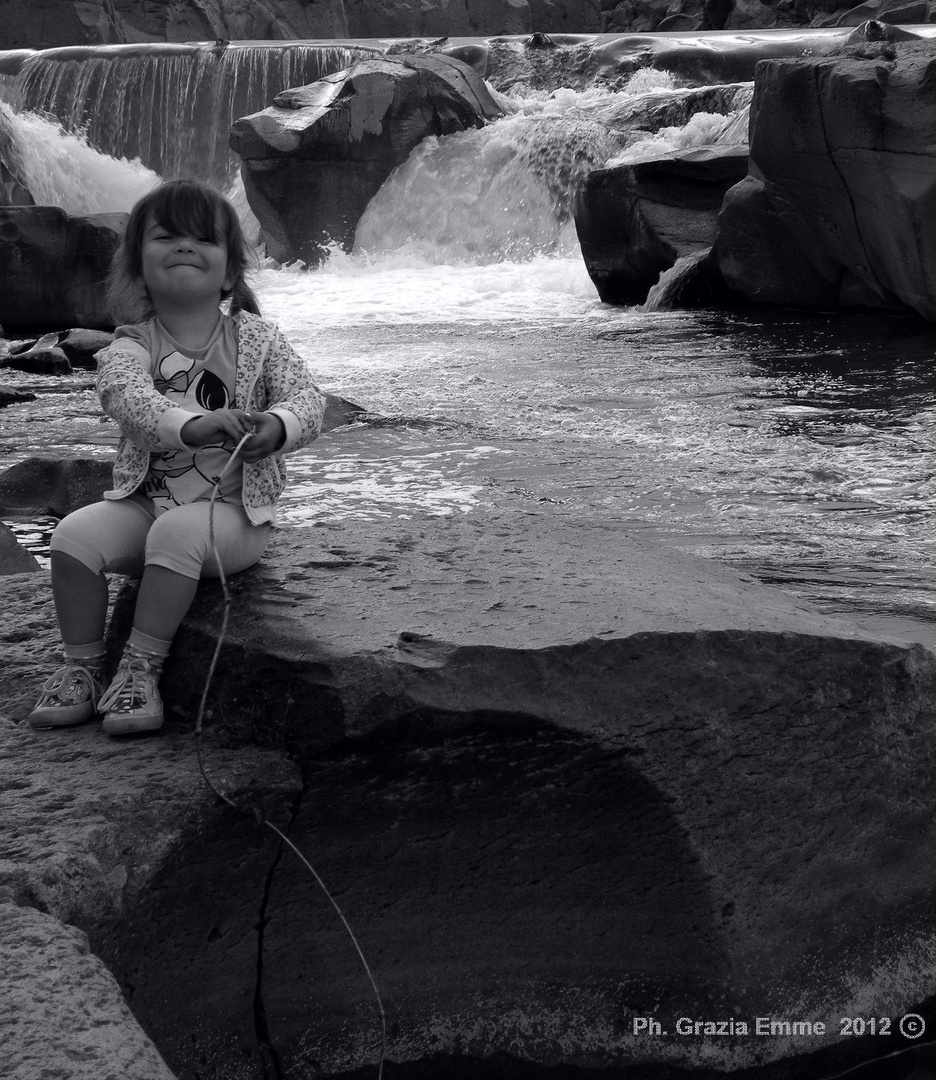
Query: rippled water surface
796, 447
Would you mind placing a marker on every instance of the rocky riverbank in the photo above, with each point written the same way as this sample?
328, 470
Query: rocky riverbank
67, 22
556, 777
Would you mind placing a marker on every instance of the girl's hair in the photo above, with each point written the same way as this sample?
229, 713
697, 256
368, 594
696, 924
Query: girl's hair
187, 207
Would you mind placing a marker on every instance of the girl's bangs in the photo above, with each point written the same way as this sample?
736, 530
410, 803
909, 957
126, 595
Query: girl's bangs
187, 211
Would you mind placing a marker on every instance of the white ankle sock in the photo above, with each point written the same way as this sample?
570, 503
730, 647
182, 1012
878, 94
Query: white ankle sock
91, 654
150, 648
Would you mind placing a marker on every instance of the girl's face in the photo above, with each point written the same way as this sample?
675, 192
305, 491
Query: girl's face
181, 270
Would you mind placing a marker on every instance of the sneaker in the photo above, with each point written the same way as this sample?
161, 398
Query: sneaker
132, 702
69, 696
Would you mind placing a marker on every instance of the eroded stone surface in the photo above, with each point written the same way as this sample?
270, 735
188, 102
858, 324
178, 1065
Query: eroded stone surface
88, 824
634, 221
65, 22
554, 776
14, 559
843, 183
63, 1015
36, 244
40, 486
559, 734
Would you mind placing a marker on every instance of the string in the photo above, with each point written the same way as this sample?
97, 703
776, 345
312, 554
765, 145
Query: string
199, 724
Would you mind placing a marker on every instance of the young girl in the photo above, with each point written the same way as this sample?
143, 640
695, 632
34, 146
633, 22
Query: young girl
185, 385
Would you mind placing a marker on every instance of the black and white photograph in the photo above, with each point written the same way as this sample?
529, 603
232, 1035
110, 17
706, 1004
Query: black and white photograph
524, 665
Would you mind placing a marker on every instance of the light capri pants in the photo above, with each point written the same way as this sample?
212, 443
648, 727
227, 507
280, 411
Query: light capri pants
125, 535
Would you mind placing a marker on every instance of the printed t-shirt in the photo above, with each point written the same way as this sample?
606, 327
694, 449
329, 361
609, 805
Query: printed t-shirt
199, 381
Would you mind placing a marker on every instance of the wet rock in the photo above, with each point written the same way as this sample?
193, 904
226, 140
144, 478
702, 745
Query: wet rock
41, 486
89, 825
635, 220
751, 15
63, 1016
80, 345
47, 341
9, 396
339, 411
657, 718
887, 12
67, 22
554, 775
12, 192
844, 183
14, 558
54, 267
759, 259
39, 361
313, 161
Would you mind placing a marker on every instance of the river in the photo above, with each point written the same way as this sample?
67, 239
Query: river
795, 447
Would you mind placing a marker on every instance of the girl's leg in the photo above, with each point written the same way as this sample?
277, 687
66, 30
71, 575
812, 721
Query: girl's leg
99, 537
178, 553
163, 601
80, 597
105, 536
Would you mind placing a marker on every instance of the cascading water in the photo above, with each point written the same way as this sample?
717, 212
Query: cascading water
482, 196
61, 169
170, 107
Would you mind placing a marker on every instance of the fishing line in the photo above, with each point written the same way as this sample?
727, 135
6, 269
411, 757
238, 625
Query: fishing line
199, 723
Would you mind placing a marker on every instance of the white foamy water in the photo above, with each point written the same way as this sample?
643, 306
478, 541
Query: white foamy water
401, 287
703, 129
61, 169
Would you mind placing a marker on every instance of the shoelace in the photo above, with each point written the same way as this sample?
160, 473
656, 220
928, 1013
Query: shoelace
128, 687
70, 683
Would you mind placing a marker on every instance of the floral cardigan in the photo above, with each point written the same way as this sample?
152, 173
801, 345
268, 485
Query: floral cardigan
271, 377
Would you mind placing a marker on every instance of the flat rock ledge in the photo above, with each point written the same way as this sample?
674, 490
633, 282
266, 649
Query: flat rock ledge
555, 777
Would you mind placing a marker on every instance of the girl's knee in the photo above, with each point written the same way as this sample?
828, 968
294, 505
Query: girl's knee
179, 541
193, 541
103, 536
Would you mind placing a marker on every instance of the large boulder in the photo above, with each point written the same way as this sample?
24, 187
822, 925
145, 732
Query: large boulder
313, 161
759, 259
556, 778
842, 195
41, 486
54, 267
634, 221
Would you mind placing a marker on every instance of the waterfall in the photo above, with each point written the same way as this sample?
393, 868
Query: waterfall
170, 106
668, 291
92, 129
504, 192
486, 195
58, 168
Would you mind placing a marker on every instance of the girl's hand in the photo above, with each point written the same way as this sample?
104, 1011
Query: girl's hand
269, 435
226, 426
